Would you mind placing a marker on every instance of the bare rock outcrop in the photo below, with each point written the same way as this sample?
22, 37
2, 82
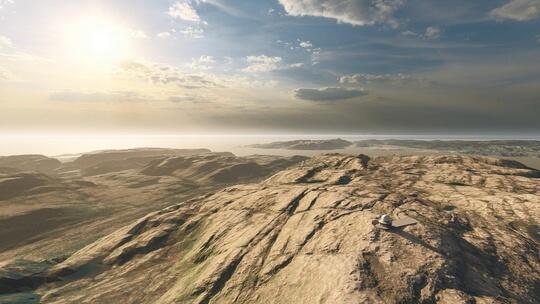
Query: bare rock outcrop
305, 235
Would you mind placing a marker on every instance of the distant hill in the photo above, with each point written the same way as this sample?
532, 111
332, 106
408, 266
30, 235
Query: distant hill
30, 162
323, 144
508, 148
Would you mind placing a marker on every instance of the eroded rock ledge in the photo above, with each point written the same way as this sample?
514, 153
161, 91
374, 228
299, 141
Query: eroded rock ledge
305, 235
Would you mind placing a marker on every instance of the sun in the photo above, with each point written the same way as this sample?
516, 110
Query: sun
98, 39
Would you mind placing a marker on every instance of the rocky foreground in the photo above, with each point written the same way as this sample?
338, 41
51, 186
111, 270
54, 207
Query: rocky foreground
305, 235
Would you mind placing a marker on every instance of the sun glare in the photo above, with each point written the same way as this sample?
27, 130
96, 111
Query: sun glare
98, 39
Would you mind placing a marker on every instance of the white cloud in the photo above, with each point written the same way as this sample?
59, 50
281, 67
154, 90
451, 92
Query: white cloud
138, 34
294, 65
20, 56
5, 74
184, 10
263, 63
163, 35
5, 42
409, 34
163, 74
4, 3
355, 12
306, 44
518, 10
432, 32
207, 59
193, 32
200, 81
328, 93
204, 62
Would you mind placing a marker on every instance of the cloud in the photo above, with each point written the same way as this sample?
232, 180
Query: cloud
205, 62
193, 32
160, 74
116, 96
306, 44
263, 63
409, 34
4, 3
355, 12
518, 10
431, 32
138, 34
5, 74
5, 42
383, 79
183, 99
163, 74
328, 93
184, 10
20, 56
163, 35
226, 8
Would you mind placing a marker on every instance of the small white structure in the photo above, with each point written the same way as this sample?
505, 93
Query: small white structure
385, 220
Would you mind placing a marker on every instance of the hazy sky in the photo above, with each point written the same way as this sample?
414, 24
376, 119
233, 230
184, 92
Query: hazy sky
272, 66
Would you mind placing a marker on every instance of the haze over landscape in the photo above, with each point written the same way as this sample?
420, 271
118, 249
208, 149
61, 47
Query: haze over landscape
270, 151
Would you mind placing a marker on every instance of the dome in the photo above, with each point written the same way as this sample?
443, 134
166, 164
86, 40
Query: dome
385, 219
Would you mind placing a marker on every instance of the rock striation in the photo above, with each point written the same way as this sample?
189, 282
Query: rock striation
305, 235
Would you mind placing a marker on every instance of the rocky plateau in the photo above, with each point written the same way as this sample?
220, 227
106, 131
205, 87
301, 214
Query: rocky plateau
306, 235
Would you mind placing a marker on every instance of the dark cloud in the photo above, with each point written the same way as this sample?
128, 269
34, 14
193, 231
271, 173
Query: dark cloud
385, 79
386, 115
328, 94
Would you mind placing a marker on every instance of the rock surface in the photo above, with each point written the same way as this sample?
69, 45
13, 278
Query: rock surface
48, 216
106, 161
305, 235
30, 162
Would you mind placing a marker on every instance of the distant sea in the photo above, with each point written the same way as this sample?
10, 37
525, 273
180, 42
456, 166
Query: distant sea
60, 144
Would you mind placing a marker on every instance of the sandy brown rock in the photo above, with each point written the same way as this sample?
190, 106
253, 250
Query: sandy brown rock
305, 235
46, 216
30, 162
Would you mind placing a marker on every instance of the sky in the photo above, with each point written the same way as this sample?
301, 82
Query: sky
270, 66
